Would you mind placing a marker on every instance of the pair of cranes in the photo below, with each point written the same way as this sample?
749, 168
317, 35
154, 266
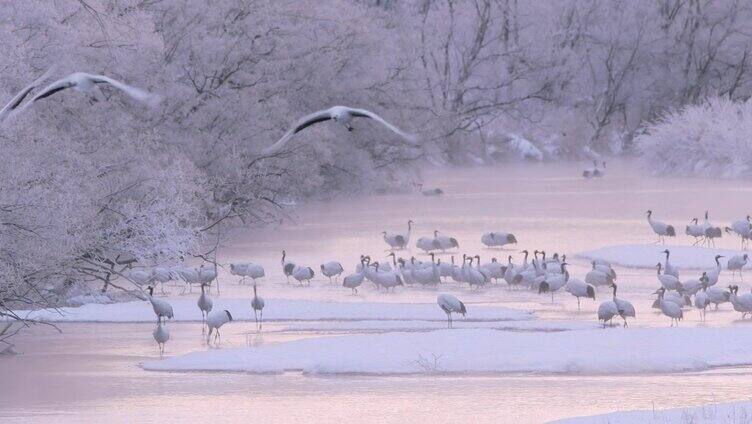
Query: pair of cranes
595, 172
88, 84
400, 240
301, 273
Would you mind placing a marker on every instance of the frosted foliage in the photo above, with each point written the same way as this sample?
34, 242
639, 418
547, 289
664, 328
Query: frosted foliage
711, 138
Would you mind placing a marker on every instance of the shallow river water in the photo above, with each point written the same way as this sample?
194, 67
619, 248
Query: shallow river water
91, 372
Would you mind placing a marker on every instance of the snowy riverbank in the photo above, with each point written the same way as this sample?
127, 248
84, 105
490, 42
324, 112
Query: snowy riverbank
723, 413
647, 255
598, 351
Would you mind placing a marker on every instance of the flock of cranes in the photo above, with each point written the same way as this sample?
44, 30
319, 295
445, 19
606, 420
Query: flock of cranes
541, 274
536, 272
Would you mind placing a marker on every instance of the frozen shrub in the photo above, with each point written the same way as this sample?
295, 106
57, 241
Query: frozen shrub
708, 139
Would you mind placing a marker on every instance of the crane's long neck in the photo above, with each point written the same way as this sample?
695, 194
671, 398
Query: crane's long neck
254, 290
614, 292
202, 289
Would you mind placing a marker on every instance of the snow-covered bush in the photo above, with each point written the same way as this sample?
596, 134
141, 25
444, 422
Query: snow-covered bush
710, 139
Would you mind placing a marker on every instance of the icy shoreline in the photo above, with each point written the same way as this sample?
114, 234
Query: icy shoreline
722, 413
276, 310
648, 255
484, 351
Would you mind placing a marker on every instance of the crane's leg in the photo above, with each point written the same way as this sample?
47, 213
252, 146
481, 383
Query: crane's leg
578, 303
261, 320
255, 316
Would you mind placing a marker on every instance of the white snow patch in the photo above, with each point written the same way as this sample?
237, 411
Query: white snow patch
524, 148
275, 310
603, 351
647, 255
723, 413
384, 326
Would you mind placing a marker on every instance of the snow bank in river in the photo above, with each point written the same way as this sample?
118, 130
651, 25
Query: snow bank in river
485, 351
724, 413
384, 326
647, 255
275, 310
